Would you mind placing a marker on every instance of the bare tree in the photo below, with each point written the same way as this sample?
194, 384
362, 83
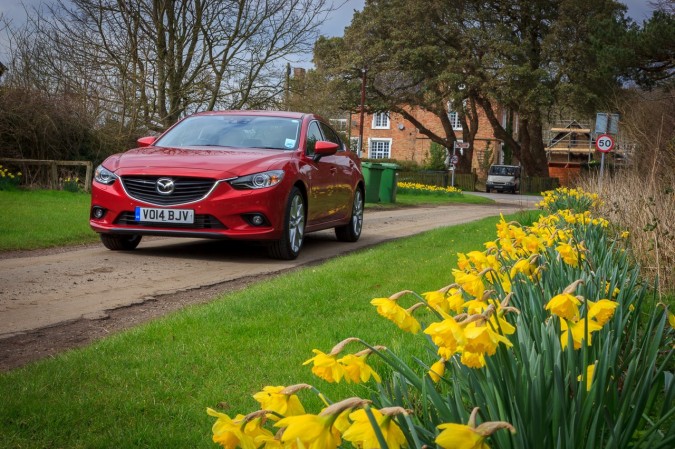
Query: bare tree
145, 63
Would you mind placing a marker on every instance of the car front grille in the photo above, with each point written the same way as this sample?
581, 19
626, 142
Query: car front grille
187, 190
201, 222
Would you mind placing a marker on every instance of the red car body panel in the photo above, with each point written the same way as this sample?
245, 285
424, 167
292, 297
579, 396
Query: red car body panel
328, 186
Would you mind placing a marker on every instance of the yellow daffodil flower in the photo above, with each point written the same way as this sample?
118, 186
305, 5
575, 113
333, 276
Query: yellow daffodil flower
470, 283
362, 435
356, 369
310, 431
590, 371
564, 305
326, 366
473, 359
602, 311
389, 309
570, 255
577, 329
447, 335
461, 436
272, 398
671, 319
480, 338
437, 370
230, 433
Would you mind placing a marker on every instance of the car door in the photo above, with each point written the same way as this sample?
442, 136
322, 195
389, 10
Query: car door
321, 178
341, 168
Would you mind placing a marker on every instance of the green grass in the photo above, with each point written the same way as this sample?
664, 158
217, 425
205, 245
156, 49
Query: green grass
43, 218
48, 218
149, 387
407, 199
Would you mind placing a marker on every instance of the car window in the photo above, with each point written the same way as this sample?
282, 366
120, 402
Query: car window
331, 136
313, 136
234, 131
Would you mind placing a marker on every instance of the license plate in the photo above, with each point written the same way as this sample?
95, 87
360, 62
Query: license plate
152, 215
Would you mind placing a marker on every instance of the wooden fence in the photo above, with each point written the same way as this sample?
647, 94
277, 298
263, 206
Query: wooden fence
51, 177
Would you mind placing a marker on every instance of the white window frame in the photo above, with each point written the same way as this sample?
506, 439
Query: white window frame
381, 120
453, 116
372, 141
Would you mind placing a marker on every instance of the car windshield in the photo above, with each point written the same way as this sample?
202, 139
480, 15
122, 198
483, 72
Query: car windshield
499, 170
233, 131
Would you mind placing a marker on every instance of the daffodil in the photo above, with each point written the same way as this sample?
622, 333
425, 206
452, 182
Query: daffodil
274, 399
468, 436
362, 435
671, 319
236, 433
310, 431
437, 370
602, 311
473, 359
448, 335
570, 255
326, 366
470, 283
480, 338
579, 332
388, 308
590, 371
356, 369
564, 305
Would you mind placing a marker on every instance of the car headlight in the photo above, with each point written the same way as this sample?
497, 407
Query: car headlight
258, 180
104, 176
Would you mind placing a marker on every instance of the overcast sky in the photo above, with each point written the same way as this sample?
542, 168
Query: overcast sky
13, 10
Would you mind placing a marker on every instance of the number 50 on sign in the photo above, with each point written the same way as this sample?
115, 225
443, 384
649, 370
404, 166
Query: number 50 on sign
604, 143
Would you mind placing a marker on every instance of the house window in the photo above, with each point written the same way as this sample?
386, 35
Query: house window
454, 120
379, 148
381, 120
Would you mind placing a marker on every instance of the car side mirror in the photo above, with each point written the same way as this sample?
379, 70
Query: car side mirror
146, 141
324, 148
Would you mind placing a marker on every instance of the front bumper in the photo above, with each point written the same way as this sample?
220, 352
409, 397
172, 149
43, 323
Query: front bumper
224, 214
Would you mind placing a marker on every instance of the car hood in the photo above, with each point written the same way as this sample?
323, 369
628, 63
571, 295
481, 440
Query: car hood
198, 161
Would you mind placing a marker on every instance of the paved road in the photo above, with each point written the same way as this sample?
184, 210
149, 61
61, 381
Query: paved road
38, 291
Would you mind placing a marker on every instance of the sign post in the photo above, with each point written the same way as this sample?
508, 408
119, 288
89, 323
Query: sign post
604, 144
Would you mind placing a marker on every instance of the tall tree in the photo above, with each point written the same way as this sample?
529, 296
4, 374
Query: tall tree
523, 55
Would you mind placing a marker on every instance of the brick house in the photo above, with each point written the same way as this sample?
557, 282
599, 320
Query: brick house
387, 135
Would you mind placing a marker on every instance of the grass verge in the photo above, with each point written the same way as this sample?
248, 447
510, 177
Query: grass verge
149, 387
47, 218
43, 218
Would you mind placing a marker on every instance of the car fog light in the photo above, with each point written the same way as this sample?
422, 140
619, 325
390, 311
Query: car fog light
97, 212
257, 220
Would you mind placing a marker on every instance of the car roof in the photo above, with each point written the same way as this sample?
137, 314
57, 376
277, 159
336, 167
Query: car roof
283, 114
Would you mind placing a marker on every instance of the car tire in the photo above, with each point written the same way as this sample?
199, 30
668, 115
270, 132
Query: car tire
352, 230
487, 190
289, 245
117, 242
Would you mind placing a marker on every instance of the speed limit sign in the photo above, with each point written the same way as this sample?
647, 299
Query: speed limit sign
454, 159
604, 143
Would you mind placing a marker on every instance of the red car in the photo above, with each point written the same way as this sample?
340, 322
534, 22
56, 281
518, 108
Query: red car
244, 175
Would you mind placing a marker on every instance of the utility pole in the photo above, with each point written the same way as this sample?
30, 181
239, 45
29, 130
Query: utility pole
363, 105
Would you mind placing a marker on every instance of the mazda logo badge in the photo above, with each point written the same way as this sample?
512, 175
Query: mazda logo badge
165, 186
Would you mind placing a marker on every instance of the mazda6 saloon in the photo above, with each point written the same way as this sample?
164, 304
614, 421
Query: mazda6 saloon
260, 176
